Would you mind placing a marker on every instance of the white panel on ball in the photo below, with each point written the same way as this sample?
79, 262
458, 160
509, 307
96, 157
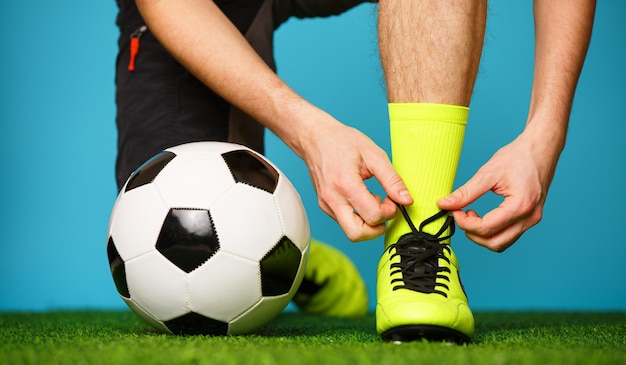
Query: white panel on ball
137, 221
264, 311
200, 187
224, 287
246, 222
292, 213
145, 315
210, 147
156, 283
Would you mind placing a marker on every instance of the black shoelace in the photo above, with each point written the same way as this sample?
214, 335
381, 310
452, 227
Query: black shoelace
419, 256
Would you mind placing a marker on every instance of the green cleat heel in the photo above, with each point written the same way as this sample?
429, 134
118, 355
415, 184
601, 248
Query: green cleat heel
332, 285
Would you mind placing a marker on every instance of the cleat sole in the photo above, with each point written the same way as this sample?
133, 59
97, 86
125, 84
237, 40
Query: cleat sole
431, 333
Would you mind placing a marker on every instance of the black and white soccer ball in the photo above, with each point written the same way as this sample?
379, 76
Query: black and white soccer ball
208, 238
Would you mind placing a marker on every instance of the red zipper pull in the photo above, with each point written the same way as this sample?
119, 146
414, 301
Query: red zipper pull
134, 46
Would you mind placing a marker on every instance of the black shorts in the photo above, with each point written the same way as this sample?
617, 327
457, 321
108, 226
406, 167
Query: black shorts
160, 104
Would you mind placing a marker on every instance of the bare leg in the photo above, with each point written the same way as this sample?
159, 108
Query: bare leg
430, 50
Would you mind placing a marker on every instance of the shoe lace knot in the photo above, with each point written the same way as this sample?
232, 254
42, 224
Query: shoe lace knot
419, 254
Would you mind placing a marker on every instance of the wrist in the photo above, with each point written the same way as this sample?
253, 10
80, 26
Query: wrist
296, 122
547, 130
545, 140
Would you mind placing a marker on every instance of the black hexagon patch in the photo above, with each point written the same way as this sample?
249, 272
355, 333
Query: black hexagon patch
196, 324
147, 172
188, 238
248, 168
279, 268
117, 269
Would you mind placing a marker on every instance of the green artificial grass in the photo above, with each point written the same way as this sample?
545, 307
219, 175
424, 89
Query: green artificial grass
121, 338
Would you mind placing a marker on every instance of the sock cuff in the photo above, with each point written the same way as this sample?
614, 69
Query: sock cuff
425, 111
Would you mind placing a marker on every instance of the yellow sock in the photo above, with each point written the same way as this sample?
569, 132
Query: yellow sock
426, 141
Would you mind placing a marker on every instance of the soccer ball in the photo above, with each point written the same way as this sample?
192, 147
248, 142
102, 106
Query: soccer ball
207, 238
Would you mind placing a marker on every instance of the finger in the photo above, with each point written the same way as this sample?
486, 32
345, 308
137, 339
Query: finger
372, 210
497, 230
500, 241
473, 225
490, 224
389, 179
473, 189
360, 214
389, 208
510, 211
462, 216
355, 228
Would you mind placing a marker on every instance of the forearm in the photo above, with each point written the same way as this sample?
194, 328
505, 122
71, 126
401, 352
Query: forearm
563, 30
522, 171
339, 158
205, 41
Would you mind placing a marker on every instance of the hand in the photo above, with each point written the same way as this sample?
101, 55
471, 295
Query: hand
340, 159
521, 172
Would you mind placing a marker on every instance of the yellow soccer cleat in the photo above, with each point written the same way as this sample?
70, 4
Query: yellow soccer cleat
332, 285
419, 290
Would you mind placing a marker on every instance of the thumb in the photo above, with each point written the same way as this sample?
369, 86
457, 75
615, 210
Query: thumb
394, 186
464, 195
398, 192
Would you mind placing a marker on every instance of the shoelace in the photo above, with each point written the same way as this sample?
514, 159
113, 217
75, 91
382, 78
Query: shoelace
419, 255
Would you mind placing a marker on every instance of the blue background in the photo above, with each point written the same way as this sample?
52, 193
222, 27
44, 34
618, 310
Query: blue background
57, 149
